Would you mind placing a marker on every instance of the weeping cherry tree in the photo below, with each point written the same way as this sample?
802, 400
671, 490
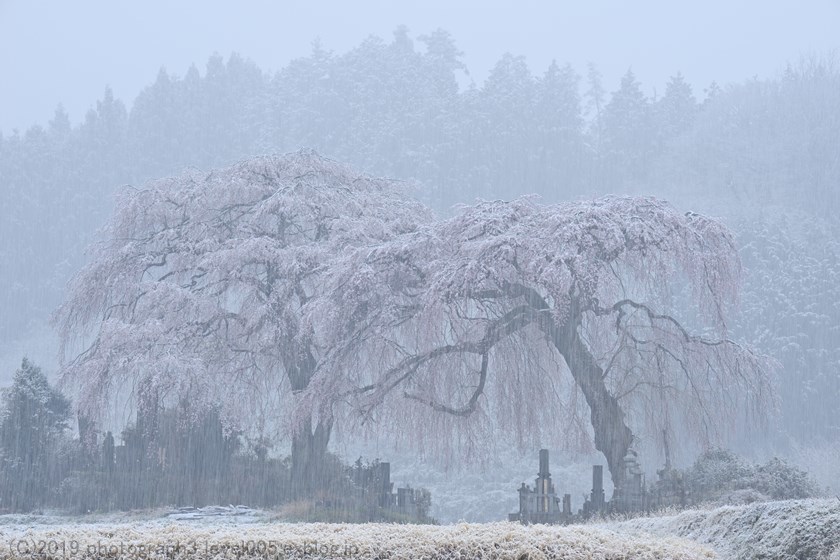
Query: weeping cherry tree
500, 317
196, 292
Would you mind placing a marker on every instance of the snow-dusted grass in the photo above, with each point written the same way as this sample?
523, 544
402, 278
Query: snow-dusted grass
793, 529
796, 529
204, 539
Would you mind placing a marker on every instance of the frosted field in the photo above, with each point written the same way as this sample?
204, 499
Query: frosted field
795, 529
799, 529
229, 538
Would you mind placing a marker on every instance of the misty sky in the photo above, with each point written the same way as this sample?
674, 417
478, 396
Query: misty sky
67, 52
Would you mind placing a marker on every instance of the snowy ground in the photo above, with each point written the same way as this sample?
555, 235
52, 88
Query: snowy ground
800, 529
795, 529
229, 537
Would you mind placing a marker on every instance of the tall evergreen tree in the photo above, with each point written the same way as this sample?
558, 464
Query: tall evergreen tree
505, 120
628, 131
676, 111
558, 131
595, 103
34, 417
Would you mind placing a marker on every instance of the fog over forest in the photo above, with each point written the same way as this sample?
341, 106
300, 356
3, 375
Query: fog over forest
406, 179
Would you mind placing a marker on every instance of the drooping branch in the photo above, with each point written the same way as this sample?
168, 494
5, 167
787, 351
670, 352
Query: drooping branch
497, 330
725, 367
468, 408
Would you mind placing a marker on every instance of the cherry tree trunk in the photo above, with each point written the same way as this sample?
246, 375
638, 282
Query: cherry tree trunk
613, 437
309, 452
